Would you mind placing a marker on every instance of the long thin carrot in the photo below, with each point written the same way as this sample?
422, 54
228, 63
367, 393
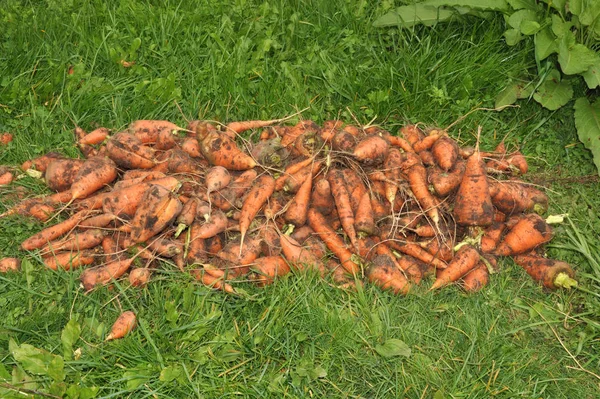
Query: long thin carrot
257, 197
96, 136
53, 232
298, 206
342, 203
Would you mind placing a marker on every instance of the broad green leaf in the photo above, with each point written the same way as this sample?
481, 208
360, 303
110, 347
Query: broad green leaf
545, 44
553, 93
170, 373
485, 5
409, 16
576, 58
525, 91
590, 13
556, 4
576, 6
512, 36
587, 122
521, 4
317, 372
592, 76
530, 27
393, 347
507, 96
137, 376
4, 374
518, 17
560, 27
70, 335
38, 361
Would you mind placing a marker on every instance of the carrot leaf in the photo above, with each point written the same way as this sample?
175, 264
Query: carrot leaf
393, 347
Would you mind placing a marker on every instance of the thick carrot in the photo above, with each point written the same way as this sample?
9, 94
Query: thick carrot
268, 268
102, 220
69, 260
465, 260
371, 150
61, 173
335, 244
96, 136
384, 273
213, 281
298, 255
111, 248
217, 178
165, 247
221, 150
293, 182
94, 174
512, 197
129, 153
364, 219
243, 182
239, 260
140, 276
355, 186
196, 251
290, 170
491, 237
159, 208
393, 173
344, 141
166, 140
342, 203
187, 215
476, 279
401, 143
301, 234
528, 233
412, 134
75, 242
414, 269
10, 265
103, 275
427, 142
41, 163
147, 131
216, 223
445, 153
53, 232
191, 146
257, 197
321, 198
444, 183
122, 326
427, 158
298, 206
473, 205
550, 273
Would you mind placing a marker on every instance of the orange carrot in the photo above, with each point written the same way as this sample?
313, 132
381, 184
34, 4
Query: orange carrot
243, 182
401, 143
416, 251
298, 206
384, 273
476, 279
550, 273
165, 248
290, 170
216, 223
69, 260
342, 203
166, 140
38, 240
234, 128
371, 150
102, 275
75, 242
147, 131
158, 209
41, 163
293, 182
528, 233
355, 186
414, 269
445, 153
298, 255
96, 136
335, 244
417, 178
217, 178
61, 173
111, 248
444, 183
240, 260
191, 146
412, 134
129, 153
196, 251
393, 173
268, 268
221, 150
465, 260
492, 237
343, 141
122, 326
10, 265
187, 215
5, 138
512, 197
213, 281
473, 206
257, 197
364, 220
321, 198
94, 174
427, 142
97, 221
140, 276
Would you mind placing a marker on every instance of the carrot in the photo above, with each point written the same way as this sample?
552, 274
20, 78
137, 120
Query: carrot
301, 234
366, 245
158, 209
354, 130
238, 259
61, 173
234, 128
414, 269
196, 251
191, 146
140, 276
122, 326
445, 153
187, 215
290, 170
69, 260
268, 268
342, 203
444, 183
298, 255
298, 206
412, 134
140, 175
5, 138
427, 142
425, 230
221, 150
528, 233
393, 173
384, 273
96, 136
417, 179
214, 245
440, 247
217, 178
10, 265
243, 182
335, 244
37, 209
102, 275
6, 178
181, 162
364, 220
98, 221
75, 242
355, 186
343, 141
512, 197
41, 163
257, 197
473, 205
465, 260
476, 279
371, 150
128, 152
50, 233
166, 140
147, 131
165, 248
550, 273
491, 237
215, 224
321, 198
401, 143
427, 158
292, 183
94, 174
419, 253
111, 248
213, 281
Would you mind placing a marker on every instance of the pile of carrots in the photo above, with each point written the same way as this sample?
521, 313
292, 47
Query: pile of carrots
351, 203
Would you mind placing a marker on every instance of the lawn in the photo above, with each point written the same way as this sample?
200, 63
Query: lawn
107, 63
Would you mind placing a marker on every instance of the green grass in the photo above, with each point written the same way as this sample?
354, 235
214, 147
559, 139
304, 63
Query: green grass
300, 337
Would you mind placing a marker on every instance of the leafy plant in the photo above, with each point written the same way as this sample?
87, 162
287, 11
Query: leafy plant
566, 37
